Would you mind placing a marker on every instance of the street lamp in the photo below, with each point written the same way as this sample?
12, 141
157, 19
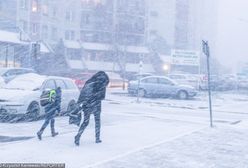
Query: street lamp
166, 68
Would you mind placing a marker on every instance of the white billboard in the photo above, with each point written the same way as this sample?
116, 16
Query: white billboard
185, 57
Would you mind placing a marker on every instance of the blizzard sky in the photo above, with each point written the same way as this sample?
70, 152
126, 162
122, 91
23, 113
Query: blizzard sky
232, 37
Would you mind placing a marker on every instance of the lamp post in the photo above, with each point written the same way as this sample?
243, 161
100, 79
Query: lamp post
140, 72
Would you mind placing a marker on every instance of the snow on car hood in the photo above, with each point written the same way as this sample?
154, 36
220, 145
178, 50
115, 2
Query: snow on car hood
15, 95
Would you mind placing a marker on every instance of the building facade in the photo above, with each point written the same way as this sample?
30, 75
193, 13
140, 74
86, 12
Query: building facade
96, 34
113, 33
162, 18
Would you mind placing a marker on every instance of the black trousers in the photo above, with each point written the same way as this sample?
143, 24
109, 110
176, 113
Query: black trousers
49, 118
96, 111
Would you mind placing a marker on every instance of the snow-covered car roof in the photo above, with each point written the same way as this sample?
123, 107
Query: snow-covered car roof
147, 77
29, 81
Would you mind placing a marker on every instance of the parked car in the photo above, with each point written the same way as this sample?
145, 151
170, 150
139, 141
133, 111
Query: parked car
10, 73
215, 81
80, 78
115, 80
219, 82
22, 94
161, 86
137, 76
185, 79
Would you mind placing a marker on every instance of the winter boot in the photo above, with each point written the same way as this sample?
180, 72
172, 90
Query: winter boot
98, 141
39, 135
54, 134
76, 140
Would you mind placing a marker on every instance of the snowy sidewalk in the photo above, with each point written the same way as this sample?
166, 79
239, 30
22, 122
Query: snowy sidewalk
221, 147
118, 139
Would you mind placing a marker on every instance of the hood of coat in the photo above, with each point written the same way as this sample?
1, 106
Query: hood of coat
100, 79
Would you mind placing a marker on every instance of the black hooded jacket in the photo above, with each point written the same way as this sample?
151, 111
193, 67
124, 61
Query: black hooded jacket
94, 90
58, 98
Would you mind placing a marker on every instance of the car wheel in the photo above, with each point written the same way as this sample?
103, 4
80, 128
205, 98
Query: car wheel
71, 107
141, 93
182, 95
33, 111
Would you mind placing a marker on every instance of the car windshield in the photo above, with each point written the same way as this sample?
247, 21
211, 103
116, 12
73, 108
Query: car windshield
2, 71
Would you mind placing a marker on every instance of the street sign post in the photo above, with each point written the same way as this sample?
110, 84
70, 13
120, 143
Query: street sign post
140, 71
206, 51
35, 54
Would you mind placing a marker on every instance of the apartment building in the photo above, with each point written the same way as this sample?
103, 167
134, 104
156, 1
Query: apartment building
96, 34
113, 36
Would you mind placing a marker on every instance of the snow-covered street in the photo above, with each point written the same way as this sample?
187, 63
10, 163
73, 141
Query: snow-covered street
152, 133
123, 83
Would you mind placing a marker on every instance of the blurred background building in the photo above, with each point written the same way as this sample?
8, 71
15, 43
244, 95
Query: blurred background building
111, 35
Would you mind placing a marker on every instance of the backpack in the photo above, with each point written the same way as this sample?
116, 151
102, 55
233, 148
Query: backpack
47, 96
75, 116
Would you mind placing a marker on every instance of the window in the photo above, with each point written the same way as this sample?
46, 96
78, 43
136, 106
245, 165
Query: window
34, 28
165, 81
54, 12
70, 84
24, 25
45, 32
35, 6
54, 35
70, 35
12, 72
27, 71
20, 72
61, 84
85, 19
49, 85
93, 56
151, 80
23, 4
45, 9
74, 54
69, 16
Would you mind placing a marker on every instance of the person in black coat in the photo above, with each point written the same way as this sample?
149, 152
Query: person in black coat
50, 113
90, 98
58, 99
